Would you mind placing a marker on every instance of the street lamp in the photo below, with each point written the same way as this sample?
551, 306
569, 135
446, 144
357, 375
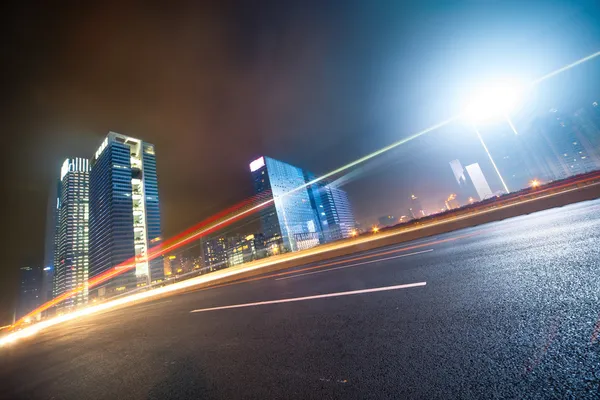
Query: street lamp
498, 99
375, 229
534, 183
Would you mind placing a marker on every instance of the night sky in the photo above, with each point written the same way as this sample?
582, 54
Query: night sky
214, 86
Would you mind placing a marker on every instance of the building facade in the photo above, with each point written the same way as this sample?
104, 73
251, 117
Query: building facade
71, 269
124, 213
30, 290
479, 182
291, 219
50, 241
214, 252
333, 209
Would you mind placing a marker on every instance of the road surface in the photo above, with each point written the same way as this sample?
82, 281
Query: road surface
506, 310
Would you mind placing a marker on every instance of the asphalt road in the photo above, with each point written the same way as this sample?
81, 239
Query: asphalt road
507, 310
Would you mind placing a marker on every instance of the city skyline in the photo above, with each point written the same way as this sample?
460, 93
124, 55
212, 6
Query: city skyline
321, 119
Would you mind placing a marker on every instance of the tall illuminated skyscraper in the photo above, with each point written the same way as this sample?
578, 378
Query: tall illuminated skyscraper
71, 251
124, 212
333, 209
291, 220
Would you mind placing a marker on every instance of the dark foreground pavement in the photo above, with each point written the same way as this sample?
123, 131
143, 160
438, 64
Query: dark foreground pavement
509, 310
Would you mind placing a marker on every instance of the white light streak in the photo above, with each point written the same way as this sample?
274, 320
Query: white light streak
319, 296
355, 265
491, 159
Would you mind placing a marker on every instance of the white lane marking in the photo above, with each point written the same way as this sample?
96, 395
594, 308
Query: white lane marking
319, 296
357, 264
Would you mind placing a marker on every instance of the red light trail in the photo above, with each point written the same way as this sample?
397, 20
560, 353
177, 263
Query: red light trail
209, 225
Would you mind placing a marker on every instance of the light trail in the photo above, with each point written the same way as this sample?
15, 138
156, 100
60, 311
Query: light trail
565, 68
197, 231
232, 271
318, 296
179, 241
356, 265
512, 126
491, 159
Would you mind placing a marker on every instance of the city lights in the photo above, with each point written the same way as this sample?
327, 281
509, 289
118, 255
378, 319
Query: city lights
375, 229
534, 183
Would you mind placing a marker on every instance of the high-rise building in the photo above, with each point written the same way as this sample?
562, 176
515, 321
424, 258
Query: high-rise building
564, 144
124, 213
30, 290
245, 249
214, 252
71, 253
291, 220
50, 241
332, 206
479, 181
466, 189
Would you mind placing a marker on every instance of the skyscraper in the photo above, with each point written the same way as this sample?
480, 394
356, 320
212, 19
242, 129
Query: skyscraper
333, 209
71, 252
291, 219
479, 181
565, 144
214, 252
124, 212
50, 241
30, 290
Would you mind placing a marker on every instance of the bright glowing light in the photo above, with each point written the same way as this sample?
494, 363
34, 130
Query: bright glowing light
534, 183
257, 164
497, 99
354, 233
375, 229
506, 93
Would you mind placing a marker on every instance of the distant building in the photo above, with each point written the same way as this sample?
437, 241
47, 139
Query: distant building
563, 144
466, 189
479, 181
245, 249
387, 220
71, 270
333, 209
124, 212
214, 252
416, 210
168, 269
291, 220
30, 290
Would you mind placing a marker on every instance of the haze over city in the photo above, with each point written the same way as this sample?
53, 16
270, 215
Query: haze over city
155, 150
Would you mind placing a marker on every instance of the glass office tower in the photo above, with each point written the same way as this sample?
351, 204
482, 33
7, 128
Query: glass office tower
291, 220
71, 252
124, 213
333, 209
30, 290
481, 185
